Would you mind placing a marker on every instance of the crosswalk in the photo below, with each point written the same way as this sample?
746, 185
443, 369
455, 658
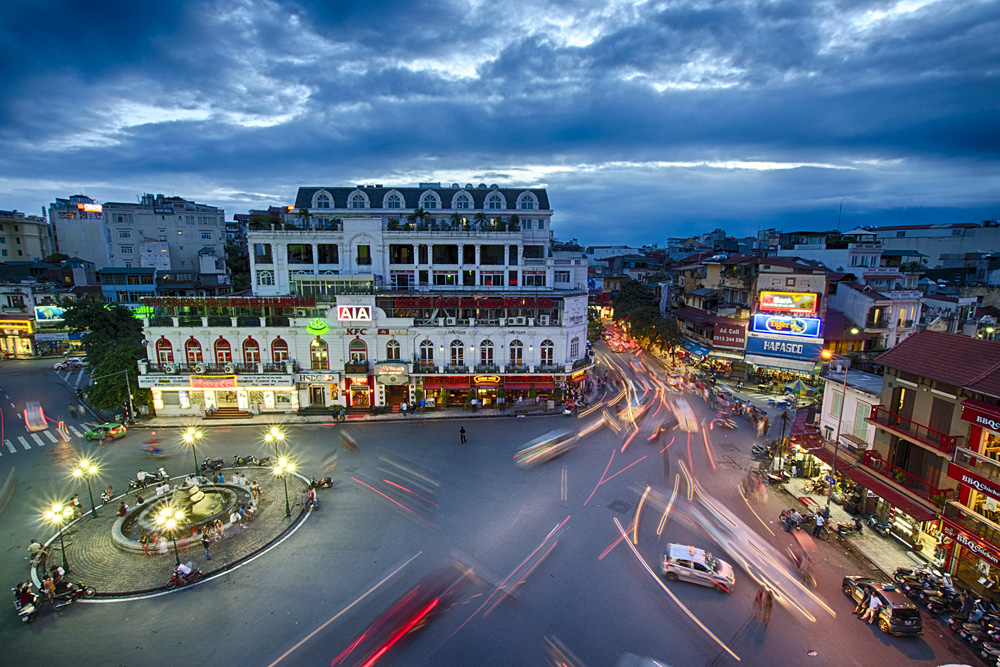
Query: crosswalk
39, 440
75, 377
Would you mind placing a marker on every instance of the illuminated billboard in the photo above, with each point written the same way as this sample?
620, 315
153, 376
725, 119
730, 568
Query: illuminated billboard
354, 313
796, 303
782, 325
49, 314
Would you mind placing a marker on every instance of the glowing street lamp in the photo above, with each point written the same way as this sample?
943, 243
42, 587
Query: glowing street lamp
191, 437
282, 470
57, 515
169, 521
827, 356
274, 436
86, 470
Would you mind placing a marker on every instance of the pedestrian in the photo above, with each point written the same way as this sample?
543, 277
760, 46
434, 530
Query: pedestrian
872, 610
758, 602
48, 588
413, 408
220, 529
403, 408
144, 541
863, 603
304, 500
768, 604
819, 524
122, 509
75, 504
461, 433
205, 544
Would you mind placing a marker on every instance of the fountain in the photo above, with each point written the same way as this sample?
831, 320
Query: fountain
196, 504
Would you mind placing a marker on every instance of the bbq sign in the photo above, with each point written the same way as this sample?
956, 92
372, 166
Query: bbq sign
796, 303
781, 325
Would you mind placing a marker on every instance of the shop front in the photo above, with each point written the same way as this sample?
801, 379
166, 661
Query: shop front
447, 390
358, 389
974, 562
318, 389
393, 382
18, 334
63, 342
488, 390
782, 358
180, 395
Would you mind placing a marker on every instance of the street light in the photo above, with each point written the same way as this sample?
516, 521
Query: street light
274, 436
282, 470
827, 356
86, 470
169, 521
191, 437
57, 515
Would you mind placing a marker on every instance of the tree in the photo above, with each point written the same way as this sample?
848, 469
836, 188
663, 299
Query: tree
480, 219
652, 329
631, 296
595, 328
457, 221
113, 341
238, 262
55, 258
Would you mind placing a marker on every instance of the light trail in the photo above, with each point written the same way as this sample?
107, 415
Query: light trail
708, 449
392, 500
672, 438
638, 510
670, 505
629, 439
612, 546
523, 506
602, 478
623, 470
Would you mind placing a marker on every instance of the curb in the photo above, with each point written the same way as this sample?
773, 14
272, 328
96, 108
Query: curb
366, 419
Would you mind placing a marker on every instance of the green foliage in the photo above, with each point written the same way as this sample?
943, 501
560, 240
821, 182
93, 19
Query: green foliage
114, 343
55, 258
392, 225
651, 329
595, 327
631, 296
238, 262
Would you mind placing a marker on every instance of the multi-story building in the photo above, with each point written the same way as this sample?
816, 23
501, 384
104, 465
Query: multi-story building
390, 295
23, 237
888, 316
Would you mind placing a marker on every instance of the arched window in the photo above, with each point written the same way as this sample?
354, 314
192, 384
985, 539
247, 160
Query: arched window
526, 202
392, 349
426, 353
494, 201
358, 201
486, 353
265, 278
516, 354
223, 351
429, 200
463, 201
319, 357
548, 352
251, 352
457, 353
322, 201
357, 351
574, 348
192, 350
394, 201
164, 351
279, 351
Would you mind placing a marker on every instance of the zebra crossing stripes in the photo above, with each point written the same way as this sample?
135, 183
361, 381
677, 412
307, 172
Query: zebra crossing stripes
24, 443
27, 443
38, 440
51, 437
10, 446
74, 431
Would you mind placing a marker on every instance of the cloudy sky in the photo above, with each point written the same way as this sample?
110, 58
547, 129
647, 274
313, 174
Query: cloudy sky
661, 118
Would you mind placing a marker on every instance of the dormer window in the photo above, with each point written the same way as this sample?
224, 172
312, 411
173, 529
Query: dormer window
323, 201
463, 201
358, 201
494, 202
394, 201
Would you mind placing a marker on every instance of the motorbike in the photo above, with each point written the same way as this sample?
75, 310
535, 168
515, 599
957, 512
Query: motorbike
879, 528
817, 486
265, 462
212, 464
107, 495
244, 460
847, 528
761, 453
786, 520
324, 483
181, 580
773, 477
152, 478
990, 652
67, 593
26, 612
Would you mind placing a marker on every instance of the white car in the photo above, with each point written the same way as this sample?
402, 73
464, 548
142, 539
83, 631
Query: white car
70, 363
697, 566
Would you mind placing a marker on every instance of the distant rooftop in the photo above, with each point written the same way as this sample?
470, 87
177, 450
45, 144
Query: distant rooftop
865, 382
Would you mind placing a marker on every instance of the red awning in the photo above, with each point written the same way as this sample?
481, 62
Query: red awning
433, 381
456, 383
516, 386
889, 494
545, 386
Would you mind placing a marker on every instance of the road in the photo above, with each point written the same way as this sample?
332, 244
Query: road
306, 601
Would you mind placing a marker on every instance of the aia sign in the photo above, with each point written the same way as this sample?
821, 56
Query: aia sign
354, 313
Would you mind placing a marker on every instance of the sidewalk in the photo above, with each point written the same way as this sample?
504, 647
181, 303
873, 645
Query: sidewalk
95, 560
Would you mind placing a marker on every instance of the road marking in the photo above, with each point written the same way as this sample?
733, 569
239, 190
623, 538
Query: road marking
10, 446
77, 433
38, 440
563, 489
24, 443
50, 436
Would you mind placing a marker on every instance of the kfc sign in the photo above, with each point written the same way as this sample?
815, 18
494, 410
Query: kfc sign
354, 313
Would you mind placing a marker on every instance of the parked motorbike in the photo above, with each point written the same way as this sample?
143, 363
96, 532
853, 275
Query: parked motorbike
846, 528
817, 486
772, 477
239, 461
265, 462
26, 611
66, 593
324, 483
181, 580
107, 495
880, 528
212, 464
761, 452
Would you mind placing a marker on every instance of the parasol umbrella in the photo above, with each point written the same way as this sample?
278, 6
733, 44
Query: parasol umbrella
798, 387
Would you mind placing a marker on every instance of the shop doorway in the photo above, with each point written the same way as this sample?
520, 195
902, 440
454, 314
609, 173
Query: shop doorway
225, 399
316, 395
396, 394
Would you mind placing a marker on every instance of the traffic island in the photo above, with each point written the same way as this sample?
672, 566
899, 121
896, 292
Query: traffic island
105, 551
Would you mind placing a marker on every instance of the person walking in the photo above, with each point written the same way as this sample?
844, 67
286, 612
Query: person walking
758, 602
402, 408
144, 541
768, 604
819, 524
461, 433
206, 543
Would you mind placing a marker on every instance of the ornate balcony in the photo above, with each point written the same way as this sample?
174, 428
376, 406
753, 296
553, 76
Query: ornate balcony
913, 431
911, 482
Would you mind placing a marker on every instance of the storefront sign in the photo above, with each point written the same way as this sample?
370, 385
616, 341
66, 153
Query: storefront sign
481, 380
970, 543
231, 301
390, 369
90, 208
798, 303
269, 400
49, 314
12, 327
213, 382
306, 378
357, 381
781, 325
147, 381
732, 336
317, 327
354, 313
264, 381
784, 349
982, 414
974, 481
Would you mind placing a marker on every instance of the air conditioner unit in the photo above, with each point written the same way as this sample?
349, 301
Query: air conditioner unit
531, 321
301, 312
199, 368
449, 321
519, 321
503, 321
472, 322
229, 368
544, 320
440, 321
170, 369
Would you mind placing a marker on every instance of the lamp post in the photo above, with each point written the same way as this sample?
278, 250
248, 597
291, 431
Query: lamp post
282, 470
57, 515
827, 355
168, 520
274, 436
191, 437
85, 469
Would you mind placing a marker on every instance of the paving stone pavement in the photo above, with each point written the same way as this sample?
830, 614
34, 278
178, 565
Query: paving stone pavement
95, 560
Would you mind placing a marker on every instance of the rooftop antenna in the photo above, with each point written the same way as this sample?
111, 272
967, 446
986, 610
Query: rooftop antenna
839, 213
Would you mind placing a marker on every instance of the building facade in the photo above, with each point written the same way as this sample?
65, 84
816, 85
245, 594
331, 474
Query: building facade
23, 237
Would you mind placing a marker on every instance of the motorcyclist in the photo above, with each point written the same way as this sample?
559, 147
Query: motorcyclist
24, 595
183, 571
163, 473
141, 476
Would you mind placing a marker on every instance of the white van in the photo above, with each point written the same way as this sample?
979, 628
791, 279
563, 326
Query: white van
687, 563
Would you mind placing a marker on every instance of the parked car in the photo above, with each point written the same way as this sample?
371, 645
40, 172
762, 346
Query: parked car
69, 363
106, 431
897, 615
686, 563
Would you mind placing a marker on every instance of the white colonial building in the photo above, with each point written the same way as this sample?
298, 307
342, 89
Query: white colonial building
385, 295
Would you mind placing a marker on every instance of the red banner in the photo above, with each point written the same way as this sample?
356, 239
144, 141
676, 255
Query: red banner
970, 542
974, 481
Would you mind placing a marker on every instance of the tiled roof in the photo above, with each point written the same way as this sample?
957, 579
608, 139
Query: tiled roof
693, 314
961, 361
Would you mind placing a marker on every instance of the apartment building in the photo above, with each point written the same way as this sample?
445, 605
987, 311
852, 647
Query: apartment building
23, 237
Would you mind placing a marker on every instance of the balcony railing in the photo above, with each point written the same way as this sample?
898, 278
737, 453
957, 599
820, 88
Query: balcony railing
975, 523
913, 430
918, 486
487, 368
217, 369
980, 464
357, 368
880, 323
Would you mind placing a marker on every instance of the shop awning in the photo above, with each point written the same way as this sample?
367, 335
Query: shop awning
725, 354
433, 381
792, 365
453, 384
890, 495
545, 386
694, 348
516, 386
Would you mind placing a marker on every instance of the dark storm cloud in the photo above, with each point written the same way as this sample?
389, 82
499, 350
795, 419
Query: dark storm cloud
668, 116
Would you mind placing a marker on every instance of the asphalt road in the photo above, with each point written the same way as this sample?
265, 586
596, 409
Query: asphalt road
306, 601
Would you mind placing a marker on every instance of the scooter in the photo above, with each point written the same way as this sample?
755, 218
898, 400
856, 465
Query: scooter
107, 495
179, 579
212, 464
760, 452
846, 528
324, 483
68, 593
26, 612
880, 528
264, 462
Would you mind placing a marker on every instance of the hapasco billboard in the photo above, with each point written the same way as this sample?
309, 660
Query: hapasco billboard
795, 303
803, 350
784, 325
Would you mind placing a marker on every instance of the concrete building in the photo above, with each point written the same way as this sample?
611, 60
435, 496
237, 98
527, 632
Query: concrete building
23, 237
889, 316
938, 241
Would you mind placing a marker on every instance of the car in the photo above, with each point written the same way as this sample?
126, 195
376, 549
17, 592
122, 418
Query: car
546, 447
106, 431
70, 363
686, 563
897, 615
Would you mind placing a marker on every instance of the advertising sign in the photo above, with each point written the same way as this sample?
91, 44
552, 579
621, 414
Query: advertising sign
264, 381
970, 542
784, 349
354, 313
213, 382
984, 486
975, 412
783, 325
796, 303
49, 314
732, 336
